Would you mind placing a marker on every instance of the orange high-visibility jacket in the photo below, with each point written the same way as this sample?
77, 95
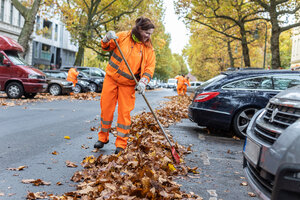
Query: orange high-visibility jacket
187, 82
72, 75
140, 57
180, 80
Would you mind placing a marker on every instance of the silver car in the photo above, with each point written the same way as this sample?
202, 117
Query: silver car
272, 148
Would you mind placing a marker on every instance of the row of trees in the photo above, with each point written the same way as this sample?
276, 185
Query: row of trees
89, 20
223, 32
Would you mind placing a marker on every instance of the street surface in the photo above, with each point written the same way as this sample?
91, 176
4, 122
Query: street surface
31, 133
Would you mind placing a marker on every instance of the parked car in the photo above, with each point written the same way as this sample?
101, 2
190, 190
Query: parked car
16, 77
194, 85
151, 85
172, 83
57, 83
94, 75
272, 148
81, 86
229, 100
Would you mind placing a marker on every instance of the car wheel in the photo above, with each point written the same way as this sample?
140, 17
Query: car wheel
14, 90
29, 95
55, 89
77, 89
241, 121
93, 87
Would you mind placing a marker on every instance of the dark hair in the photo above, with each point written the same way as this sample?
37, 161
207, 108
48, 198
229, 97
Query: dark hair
142, 23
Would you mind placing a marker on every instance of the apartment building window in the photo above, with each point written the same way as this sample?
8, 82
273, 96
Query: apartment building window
46, 52
36, 49
56, 32
38, 21
11, 13
47, 24
2, 11
19, 19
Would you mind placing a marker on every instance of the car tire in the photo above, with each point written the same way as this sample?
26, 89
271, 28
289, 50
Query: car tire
93, 87
77, 89
14, 90
241, 121
55, 89
29, 95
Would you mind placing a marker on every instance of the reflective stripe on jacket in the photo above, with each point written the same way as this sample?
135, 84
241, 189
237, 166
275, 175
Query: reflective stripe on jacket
140, 57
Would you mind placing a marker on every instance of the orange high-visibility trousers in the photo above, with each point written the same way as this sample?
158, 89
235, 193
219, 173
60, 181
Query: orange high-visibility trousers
180, 89
113, 93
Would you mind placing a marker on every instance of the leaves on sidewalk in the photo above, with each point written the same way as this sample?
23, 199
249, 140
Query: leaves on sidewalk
17, 169
71, 164
36, 182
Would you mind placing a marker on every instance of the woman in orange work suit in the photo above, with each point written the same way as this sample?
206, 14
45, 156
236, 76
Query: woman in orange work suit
119, 86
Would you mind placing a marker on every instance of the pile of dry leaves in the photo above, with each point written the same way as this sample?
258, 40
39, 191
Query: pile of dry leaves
145, 170
46, 97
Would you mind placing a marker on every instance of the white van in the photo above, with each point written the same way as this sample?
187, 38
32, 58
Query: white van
172, 83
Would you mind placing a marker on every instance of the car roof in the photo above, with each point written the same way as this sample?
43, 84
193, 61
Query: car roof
56, 71
258, 72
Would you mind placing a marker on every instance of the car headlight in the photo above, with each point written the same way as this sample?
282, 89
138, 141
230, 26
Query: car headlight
33, 76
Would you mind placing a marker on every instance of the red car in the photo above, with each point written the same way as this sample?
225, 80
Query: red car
16, 77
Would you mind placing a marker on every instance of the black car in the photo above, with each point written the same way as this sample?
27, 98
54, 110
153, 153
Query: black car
81, 86
229, 100
57, 84
95, 76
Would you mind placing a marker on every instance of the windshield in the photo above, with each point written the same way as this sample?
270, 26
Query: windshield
212, 80
172, 81
14, 58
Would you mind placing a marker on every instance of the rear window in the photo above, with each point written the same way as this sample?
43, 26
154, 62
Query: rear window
212, 80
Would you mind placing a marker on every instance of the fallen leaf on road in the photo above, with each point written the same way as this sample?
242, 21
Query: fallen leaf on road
1, 194
54, 152
94, 128
90, 138
251, 194
36, 182
59, 183
244, 183
37, 195
17, 169
236, 138
67, 137
70, 164
84, 147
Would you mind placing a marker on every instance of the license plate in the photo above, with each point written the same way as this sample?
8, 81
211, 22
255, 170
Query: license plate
252, 151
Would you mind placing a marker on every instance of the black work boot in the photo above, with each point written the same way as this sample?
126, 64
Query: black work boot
118, 150
99, 144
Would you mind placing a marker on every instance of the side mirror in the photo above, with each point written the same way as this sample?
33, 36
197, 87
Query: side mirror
6, 62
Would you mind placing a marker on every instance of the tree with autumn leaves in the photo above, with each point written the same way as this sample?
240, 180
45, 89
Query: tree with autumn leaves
238, 20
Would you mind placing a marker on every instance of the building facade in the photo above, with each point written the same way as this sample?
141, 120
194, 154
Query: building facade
50, 45
295, 58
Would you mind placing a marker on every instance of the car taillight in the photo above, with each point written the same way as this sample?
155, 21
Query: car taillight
206, 96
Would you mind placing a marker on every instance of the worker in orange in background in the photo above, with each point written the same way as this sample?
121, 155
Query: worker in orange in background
72, 75
119, 86
180, 84
186, 83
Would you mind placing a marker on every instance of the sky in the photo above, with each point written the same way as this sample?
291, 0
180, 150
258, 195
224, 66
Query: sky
175, 27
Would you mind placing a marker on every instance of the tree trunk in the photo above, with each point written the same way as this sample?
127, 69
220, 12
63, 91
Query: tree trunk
26, 32
29, 17
230, 54
275, 49
79, 55
245, 46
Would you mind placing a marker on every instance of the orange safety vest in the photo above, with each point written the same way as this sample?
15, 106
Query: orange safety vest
72, 75
140, 57
180, 80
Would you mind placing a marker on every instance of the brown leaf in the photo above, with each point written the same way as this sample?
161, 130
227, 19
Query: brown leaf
251, 194
244, 183
54, 152
17, 169
71, 164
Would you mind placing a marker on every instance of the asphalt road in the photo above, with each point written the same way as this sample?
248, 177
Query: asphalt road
30, 133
